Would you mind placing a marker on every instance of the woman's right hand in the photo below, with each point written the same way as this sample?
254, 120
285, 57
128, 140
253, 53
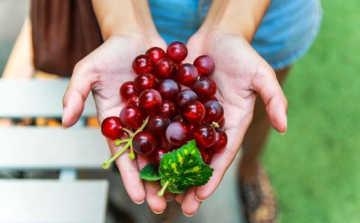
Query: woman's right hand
103, 72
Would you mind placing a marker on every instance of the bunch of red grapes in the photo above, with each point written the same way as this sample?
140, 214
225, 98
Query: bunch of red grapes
176, 100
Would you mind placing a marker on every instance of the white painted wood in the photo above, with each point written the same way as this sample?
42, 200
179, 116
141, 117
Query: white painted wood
52, 201
36, 98
52, 148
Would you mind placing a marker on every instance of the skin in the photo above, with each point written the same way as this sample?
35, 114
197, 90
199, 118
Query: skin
241, 74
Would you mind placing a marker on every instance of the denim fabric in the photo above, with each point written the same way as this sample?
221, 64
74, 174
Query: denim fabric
285, 34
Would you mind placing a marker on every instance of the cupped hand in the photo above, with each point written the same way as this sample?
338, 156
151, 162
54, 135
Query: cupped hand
103, 72
240, 74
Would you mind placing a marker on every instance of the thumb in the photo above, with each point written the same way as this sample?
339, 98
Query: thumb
80, 85
266, 84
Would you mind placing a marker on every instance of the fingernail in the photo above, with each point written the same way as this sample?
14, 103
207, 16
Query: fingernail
189, 215
283, 133
139, 202
64, 117
198, 199
169, 200
157, 212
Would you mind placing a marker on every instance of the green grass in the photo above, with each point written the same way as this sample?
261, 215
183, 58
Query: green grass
315, 167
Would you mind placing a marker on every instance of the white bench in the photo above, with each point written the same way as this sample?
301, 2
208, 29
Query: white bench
49, 148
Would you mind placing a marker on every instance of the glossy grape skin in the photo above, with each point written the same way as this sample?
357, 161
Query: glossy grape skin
144, 143
150, 101
185, 96
220, 141
193, 112
206, 155
213, 98
186, 75
134, 100
205, 65
177, 51
156, 156
156, 54
178, 118
143, 64
168, 89
127, 90
165, 68
205, 87
132, 117
111, 128
169, 108
145, 81
177, 133
158, 124
214, 112
204, 135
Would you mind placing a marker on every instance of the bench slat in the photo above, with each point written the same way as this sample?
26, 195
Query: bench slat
51, 201
52, 148
36, 98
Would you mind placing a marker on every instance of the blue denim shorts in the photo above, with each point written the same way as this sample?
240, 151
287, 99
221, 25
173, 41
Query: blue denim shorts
287, 31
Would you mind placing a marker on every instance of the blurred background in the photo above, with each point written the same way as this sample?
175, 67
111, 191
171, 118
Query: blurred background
315, 167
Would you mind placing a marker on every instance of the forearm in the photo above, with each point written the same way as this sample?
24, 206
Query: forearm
236, 16
124, 17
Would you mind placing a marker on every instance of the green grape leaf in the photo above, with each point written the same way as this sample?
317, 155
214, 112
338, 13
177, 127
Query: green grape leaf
184, 168
149, 173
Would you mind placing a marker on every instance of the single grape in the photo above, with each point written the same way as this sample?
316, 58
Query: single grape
127, 90
186, 75
156, 54
165, 68
156, 156
205, 87
143, 64
144, 81
178, 118
185, 96
134, 100
111, 128
206, 155
193, 112
177, 51
204, 135
168, 89
158, 124
144, 143
132, 116
169, 109
177, 133
214, 112
205, 65
220, 141
150, 101
213, 98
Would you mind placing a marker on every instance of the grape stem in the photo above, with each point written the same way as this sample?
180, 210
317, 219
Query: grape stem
106, 164
215, 125
129, 132
118, 142
162, 191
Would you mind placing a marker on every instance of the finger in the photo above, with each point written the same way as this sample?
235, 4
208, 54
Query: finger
169, 196
268, 87
156, 203
190, 204
221, 162
130, 175
77, 92
179, 198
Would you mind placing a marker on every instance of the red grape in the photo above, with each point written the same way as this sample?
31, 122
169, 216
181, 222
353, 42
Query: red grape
205, 65
213, 98
158, 124
111, 128
222, 122
168, 89
205, 87
132, 116
177, 51
179, 118
150, 101
165, 68
143, 64
127, 90
185, 96
169, 109
186, 75
214, 112
220, 141
134, 100
144, 143
145, 81
155, 53
206, 155
193, 112
177, 133
157, 155
204, 135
